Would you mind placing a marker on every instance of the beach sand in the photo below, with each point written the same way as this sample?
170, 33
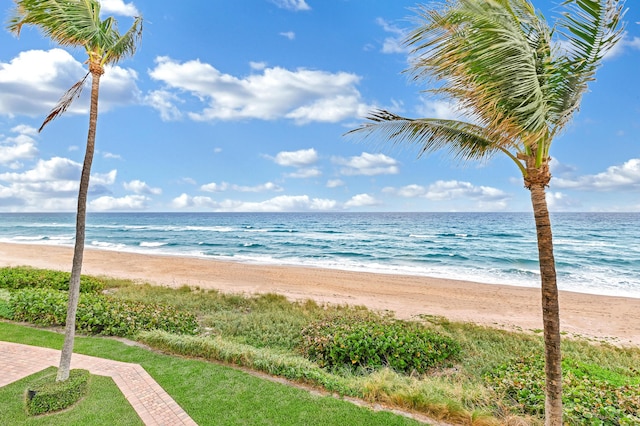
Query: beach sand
612, 319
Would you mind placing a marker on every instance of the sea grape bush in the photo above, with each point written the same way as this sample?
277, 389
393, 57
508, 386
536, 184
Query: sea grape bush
25, 277
586, 400
99, 314
403, 346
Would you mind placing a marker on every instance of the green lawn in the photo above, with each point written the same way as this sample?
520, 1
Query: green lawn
103, 392
212, 394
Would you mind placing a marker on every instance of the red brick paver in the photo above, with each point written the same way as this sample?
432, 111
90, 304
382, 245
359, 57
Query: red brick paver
151, 402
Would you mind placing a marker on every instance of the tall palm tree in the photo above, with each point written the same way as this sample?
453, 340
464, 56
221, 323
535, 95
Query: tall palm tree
520, 82
77, 23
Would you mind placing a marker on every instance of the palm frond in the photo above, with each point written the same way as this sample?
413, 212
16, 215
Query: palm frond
126, 44
488, 52
67, 22
65, 101
591, 29
465, 141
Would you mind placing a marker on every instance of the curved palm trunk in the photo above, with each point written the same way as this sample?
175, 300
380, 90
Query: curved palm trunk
550, 308
81, 215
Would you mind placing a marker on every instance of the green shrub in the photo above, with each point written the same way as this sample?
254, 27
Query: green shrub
403, 346
46, 395
5, 306
586, 400
26, 277
98, 314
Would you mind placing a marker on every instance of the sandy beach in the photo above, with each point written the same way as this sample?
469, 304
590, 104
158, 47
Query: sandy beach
614, 319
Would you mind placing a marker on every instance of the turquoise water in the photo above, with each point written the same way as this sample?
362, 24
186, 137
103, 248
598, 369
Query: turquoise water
595, 252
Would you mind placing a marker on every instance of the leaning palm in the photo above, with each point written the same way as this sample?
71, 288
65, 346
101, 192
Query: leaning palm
77, 23
520, 86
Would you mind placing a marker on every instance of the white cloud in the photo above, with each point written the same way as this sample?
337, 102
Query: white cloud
51, 185
295, 5
361, 200
288, 34
164, 102
19, 147
129, 203
215, 187
302, 95
259, 66
488, 198
300, 158
283, 203
118, 7
392, 44
557, 201
185, 201
305, 173
334, 183
111, 156
33, 82
140, 187
623, 177
445, 110
367, 164
224, 186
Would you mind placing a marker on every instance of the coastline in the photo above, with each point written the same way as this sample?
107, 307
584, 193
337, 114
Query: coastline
609, 318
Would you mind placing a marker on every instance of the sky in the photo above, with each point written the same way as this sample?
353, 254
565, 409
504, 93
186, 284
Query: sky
242, 106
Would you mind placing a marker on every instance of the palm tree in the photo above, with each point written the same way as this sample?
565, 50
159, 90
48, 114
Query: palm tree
77, 23
520, 82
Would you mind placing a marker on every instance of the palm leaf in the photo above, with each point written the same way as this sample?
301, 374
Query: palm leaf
464, 141
65, 101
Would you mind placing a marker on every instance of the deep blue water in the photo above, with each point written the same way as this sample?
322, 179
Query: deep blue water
595, 252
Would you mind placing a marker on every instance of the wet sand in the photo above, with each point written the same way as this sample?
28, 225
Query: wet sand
613, 319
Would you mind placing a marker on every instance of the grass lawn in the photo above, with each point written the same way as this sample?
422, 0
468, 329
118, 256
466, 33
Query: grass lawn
103, 392
211, 394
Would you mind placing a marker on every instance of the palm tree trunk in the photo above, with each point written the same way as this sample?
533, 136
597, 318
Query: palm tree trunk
550, 308
81, 215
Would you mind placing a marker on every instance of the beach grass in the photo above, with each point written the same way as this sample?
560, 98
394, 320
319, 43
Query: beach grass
262, 332
211, 394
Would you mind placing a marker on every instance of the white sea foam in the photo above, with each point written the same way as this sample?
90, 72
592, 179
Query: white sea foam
152, 244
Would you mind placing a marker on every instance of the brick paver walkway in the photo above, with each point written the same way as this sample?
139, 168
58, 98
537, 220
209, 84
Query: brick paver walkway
151, 402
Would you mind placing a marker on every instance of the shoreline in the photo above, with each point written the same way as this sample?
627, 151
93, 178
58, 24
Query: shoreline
612, 319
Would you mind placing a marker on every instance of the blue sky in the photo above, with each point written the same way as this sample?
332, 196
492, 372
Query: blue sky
241, 106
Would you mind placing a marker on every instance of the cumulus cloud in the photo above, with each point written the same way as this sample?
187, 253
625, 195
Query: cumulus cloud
127, 203
393, 44
30, 88
50, 185
20, 147
118, 7
283, 203
224, 186
140, 187
294, 5
334, 183
558, 201
305, 173
449, 190
288, 34
164, 102
625, 177
486, 197
362, 200
367, 164
300, 158
301, 95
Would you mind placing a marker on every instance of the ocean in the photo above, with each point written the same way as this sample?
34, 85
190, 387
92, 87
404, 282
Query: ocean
595, 253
